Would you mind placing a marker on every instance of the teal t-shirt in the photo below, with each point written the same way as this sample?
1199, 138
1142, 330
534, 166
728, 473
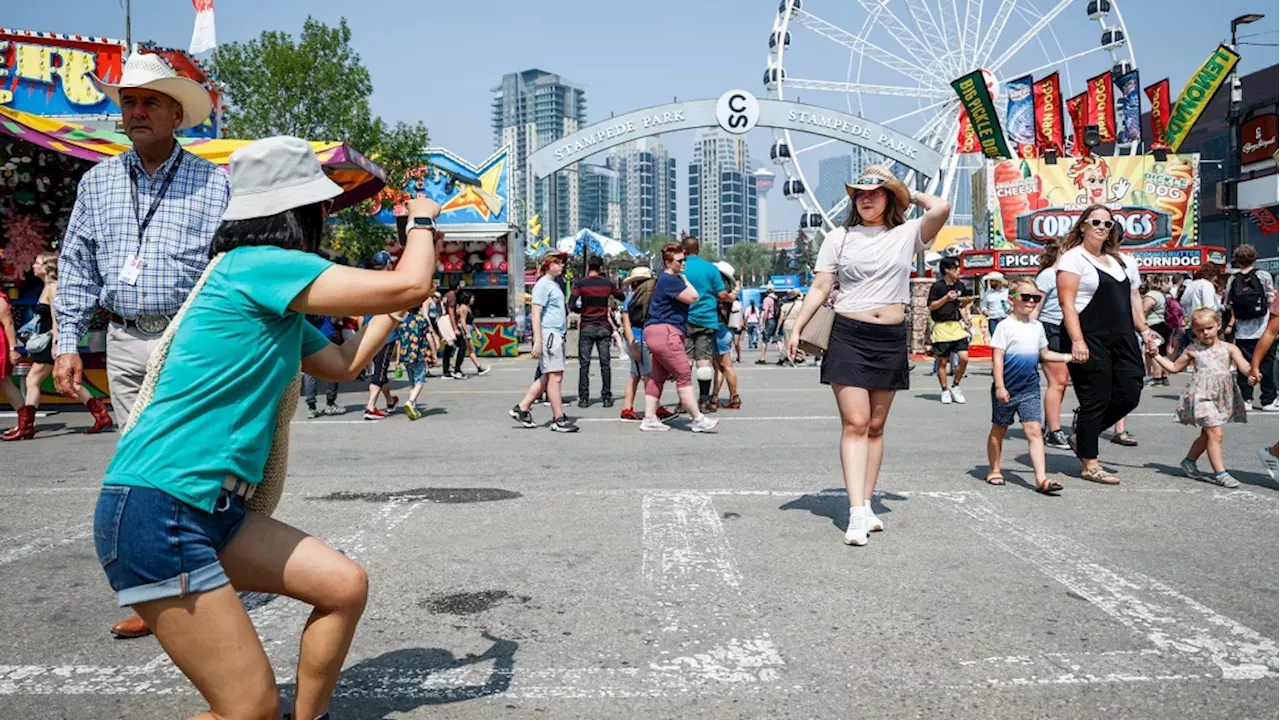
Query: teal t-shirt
706, 279
214, 408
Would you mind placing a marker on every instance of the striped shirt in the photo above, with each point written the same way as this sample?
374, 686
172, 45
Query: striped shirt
102, 235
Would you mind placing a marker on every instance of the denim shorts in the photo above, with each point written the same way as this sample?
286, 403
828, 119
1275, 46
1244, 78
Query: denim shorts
1027, 406
641, 367
417, 372
724, 340
152, 545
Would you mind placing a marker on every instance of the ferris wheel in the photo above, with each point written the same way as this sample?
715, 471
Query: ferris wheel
894, 64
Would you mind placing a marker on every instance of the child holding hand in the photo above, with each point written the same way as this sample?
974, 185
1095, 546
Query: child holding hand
1018, 345
1212, 399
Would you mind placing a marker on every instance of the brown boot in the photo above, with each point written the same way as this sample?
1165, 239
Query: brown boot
26, 425
101, 418
134, 627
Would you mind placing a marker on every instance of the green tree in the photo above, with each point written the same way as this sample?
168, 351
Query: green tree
781, 264
316, 88
652, 245
803, 255
751, 261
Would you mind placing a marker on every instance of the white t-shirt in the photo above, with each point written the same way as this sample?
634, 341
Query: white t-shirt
1200, 293
1079, 262
1050, 308
874, 268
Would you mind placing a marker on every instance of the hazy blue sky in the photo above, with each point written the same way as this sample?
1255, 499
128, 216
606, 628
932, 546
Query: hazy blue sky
436, 61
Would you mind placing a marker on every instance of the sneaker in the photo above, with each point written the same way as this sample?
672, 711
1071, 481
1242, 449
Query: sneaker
856, 534
709, 406
629, 415
1273, 407
946, 397
1248, 406
647, 425
873, 522
411, 411
524, 417
704, 424
391, 406
546, 402
1269, 462
1225, 480
665, 415
373, 414
607, 402
956, 395
312, 412
483, 371
1189, 468
1164, 382
1056, 439
584, 402
564, 425
334, 410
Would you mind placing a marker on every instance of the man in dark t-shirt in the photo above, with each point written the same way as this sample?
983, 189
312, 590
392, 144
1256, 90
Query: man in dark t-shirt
950, 327
592, 296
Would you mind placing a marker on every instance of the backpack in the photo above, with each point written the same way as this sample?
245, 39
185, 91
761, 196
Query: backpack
638, 309
1248, 296
1173, 316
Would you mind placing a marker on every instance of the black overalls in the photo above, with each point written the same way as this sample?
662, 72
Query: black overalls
1109, 385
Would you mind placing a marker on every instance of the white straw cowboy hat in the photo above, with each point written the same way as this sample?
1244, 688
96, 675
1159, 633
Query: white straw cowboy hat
875, 177
276, 174
994, 276
637, 274
725, 269
149, 71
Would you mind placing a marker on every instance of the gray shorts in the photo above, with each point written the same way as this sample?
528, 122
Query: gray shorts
700, 343
552, 359
1026, 405
643, 366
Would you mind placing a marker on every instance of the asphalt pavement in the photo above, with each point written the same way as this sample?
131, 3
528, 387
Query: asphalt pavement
617, 574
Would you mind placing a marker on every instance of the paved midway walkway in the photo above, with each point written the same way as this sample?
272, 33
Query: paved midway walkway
614, 574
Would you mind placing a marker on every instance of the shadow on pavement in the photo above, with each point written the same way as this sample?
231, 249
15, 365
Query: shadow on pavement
833, 504
401, 680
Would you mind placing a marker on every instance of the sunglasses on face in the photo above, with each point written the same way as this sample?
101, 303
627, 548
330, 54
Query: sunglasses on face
1029, 297
1104, 224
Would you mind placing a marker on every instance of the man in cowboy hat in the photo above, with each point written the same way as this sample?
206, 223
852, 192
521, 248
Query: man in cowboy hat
138, 237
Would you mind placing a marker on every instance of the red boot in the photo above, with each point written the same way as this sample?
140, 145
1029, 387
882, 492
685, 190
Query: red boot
26, 425
101, 418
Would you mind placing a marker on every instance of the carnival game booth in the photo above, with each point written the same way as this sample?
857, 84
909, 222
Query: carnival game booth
41, 162
482, 251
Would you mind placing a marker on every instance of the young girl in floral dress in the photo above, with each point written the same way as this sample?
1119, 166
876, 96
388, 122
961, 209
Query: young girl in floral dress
1212, 399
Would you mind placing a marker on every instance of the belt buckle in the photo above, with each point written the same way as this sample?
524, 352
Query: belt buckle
151, 324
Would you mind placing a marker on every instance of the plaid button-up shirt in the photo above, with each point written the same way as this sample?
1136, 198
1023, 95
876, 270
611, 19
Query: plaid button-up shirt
102, 235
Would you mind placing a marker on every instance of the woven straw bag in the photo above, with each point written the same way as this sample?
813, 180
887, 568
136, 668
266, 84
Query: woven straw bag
268, 492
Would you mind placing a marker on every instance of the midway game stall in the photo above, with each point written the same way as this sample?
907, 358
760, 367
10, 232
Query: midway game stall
483, 251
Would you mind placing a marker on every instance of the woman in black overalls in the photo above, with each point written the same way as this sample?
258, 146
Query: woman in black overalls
1103, 316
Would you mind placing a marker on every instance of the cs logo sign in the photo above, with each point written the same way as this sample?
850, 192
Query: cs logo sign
737, 111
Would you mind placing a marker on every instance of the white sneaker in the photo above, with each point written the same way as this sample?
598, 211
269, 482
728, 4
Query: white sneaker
856, 534
654, 425
1273, 407
1248, 406
1269, 462
703, 424
873, 522
946, 397
957, 395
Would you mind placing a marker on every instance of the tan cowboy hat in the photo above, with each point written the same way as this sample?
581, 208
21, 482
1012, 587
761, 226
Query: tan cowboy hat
637, 274
874, 177
725, 269
149, 71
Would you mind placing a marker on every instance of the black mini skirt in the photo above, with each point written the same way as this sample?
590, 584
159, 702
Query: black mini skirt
867, 355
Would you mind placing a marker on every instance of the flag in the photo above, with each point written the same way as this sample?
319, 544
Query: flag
1075, 110
1130, 130
1196, 95
1020, 117
203, 37
1100, 107
1047, 97
966, 138
1158, 94
975, 97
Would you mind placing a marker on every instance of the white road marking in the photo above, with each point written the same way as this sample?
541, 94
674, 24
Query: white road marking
1171, 621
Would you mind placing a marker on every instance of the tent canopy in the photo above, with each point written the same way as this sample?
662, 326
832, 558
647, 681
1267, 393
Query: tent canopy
589, 242
359, 177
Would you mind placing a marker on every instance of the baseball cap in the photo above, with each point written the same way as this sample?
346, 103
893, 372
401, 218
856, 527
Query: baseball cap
380, 258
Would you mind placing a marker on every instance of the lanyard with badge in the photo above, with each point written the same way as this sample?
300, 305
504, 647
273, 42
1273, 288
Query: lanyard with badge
133, 266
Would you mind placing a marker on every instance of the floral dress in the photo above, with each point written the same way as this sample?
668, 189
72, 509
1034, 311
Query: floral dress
413, 345
1212, 398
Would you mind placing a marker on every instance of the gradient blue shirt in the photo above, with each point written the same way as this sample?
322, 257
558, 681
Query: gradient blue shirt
1021, 342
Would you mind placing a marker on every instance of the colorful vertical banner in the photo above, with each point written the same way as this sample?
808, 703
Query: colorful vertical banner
1047, 98
1100, 107
975, 97
966, 138
1158, 96
1020, 118
1196, 95
1130, 129
1075, 111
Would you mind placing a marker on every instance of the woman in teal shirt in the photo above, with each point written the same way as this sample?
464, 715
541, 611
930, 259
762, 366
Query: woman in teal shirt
171, 528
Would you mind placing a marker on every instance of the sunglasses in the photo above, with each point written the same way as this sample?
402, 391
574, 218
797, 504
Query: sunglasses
679, 260
1029, 297
1105, 224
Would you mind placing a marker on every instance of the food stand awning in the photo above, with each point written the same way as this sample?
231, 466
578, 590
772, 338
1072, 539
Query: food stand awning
360, 177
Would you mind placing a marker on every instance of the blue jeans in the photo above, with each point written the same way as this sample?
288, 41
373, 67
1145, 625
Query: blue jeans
753, 336
152, 545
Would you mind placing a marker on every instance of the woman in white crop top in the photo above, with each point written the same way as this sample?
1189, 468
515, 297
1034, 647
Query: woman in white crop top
866, 358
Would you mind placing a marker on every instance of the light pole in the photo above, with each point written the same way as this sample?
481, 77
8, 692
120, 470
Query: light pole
1232, 179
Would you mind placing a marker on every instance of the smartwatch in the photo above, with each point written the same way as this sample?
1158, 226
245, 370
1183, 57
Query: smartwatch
425, 223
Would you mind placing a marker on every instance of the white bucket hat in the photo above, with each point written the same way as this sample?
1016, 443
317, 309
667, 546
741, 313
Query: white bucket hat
276, 174
725, 269
149, 71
